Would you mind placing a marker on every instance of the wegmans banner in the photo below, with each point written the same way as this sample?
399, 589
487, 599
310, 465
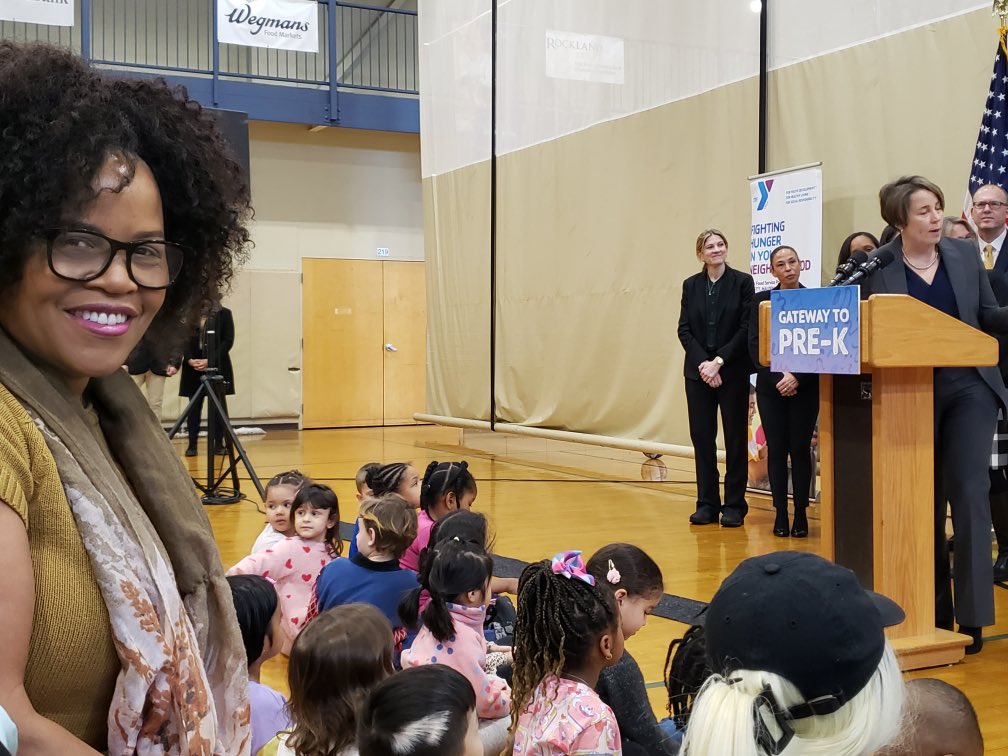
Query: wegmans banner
279, 24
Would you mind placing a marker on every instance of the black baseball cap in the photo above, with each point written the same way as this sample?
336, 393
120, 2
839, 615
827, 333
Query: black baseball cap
804, 618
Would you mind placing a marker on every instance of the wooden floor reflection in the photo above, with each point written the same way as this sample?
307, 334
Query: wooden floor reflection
539, 505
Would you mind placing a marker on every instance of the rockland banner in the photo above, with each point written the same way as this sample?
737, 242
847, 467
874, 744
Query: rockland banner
280, 24
786, 210
49, 12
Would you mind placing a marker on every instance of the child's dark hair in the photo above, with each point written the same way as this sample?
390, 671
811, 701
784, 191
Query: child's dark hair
360, 480
560, 620
443, 478
451, 568
294, 478
334, 663
393, 520
686, 670
255, 602
463, 525
320, 496
638, 574
421, 711
386, 478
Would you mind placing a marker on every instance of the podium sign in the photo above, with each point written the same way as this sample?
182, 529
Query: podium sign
816, 330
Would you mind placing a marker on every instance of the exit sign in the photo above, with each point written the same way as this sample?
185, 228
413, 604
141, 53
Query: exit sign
383, 252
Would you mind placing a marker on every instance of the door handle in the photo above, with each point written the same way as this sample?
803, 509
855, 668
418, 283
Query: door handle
390, 348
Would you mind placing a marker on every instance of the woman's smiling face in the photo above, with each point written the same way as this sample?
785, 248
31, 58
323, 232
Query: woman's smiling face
84, 330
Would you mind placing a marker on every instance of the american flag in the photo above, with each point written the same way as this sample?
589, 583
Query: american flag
990, 160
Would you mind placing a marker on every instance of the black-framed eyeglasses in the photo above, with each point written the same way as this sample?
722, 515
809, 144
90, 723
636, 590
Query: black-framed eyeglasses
993, 205
81, 255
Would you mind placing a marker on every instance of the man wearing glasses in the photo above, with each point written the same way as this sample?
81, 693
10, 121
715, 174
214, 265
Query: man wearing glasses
989, 212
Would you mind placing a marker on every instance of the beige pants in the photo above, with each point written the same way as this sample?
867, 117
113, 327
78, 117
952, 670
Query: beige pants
155, 390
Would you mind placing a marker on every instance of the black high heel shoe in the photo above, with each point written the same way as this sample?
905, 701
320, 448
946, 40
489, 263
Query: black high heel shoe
800, 527
781, 526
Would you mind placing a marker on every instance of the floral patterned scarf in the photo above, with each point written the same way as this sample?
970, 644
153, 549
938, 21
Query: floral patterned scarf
183, 684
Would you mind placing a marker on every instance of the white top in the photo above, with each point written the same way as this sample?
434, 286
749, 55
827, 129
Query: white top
266, 539
997, 244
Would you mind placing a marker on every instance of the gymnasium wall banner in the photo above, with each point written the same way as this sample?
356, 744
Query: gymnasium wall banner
279, 24
48, 12
787, 210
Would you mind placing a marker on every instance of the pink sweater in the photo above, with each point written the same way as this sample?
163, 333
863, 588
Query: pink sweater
293, 565
410, 559
464, 652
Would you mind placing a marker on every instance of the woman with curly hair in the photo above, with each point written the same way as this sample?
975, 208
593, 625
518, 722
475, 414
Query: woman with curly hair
121, 217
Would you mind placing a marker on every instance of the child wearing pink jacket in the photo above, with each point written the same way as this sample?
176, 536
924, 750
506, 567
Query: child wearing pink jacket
458, 580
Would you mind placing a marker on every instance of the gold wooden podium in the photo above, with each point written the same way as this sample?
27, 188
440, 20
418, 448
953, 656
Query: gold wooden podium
902, 341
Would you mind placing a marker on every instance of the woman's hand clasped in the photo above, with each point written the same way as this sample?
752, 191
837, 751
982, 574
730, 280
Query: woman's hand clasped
788, 385
710, 373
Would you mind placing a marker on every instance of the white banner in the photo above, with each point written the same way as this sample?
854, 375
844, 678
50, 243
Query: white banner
787, 210
49, 12
584, 57
280, 24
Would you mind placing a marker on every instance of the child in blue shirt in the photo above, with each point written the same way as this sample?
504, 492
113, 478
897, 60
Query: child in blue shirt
387, 526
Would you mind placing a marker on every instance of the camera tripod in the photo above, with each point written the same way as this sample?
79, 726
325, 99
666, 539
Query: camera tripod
211, 384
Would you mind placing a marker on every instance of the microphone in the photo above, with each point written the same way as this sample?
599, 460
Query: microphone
845, 269
878, 261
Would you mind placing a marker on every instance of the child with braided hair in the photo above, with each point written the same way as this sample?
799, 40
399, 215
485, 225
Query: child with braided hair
446, 487
568, 631
635, 581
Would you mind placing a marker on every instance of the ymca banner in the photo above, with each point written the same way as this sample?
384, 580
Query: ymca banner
279, 24
48, 12
787, 210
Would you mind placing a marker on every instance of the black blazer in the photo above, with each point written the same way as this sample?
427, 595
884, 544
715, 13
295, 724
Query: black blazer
999, 285
971, 284
142, 360
766, 379
734, 304
223, 320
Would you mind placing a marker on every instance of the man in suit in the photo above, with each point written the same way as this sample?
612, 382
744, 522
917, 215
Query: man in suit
989, 213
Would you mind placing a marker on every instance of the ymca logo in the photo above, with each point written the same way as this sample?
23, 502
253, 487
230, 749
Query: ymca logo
762, 193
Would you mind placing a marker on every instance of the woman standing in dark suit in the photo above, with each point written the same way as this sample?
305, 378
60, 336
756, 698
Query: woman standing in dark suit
221, 322
947, 274
713, 326
788, 407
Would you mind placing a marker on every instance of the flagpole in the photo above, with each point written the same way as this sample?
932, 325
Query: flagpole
1001, 11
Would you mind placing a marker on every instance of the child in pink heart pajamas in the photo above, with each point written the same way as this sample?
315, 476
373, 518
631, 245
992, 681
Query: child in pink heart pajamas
295, 563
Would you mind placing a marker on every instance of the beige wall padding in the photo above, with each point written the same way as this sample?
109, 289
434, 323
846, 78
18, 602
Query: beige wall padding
908, 103
457, 242
596, 232
596, 229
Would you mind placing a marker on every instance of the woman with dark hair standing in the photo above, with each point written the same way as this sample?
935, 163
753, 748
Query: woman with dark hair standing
713, 326
859, 241
788, 406
121, 216
947, 274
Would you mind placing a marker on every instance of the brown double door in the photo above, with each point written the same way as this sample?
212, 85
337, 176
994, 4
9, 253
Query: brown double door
364, 329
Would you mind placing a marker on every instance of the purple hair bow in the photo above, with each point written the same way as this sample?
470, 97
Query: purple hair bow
569, 564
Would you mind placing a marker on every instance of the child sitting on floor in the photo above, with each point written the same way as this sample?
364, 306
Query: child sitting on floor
372, 575
568, 631
295, 563
280, 492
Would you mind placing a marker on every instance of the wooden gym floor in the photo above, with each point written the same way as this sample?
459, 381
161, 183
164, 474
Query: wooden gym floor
538, 506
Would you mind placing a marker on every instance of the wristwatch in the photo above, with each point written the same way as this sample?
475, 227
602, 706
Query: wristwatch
719, 360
